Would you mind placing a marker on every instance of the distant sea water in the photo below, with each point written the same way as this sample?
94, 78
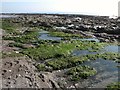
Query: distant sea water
8, 16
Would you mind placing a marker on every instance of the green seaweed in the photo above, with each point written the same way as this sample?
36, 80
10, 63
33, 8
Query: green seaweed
71, 61
113, 86
80, 72
12, 54
65, 35
50, 49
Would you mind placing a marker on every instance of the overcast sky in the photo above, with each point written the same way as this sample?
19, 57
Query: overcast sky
94, 7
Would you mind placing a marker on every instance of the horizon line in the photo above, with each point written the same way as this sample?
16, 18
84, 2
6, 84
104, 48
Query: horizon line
60, 13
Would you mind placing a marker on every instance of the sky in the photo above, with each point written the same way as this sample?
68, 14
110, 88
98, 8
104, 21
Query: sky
89, 7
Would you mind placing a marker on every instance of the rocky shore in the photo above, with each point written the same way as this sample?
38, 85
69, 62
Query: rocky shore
104, 28
19, 69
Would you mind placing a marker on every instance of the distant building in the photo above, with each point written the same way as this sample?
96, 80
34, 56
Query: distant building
119, 9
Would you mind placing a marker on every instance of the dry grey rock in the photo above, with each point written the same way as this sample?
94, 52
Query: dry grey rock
23, 75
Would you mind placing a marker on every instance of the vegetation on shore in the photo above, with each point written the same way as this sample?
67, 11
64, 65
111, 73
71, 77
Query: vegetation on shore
64, 48
60, 63
10, 27
12, 54
80, 72
26, 37
65, 35
72, 61
55, 55
113, 86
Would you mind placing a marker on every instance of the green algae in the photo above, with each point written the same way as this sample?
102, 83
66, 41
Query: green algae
113, 86
80, 72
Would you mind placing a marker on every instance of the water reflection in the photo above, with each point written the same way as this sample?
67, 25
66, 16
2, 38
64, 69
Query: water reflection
109, 48
82, 52
112, 48
45, 36
102, 65
107, 72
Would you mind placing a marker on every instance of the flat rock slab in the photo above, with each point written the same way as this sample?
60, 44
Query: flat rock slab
21, 73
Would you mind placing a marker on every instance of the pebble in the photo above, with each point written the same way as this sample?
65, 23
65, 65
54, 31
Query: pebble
10, 70
19, 75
